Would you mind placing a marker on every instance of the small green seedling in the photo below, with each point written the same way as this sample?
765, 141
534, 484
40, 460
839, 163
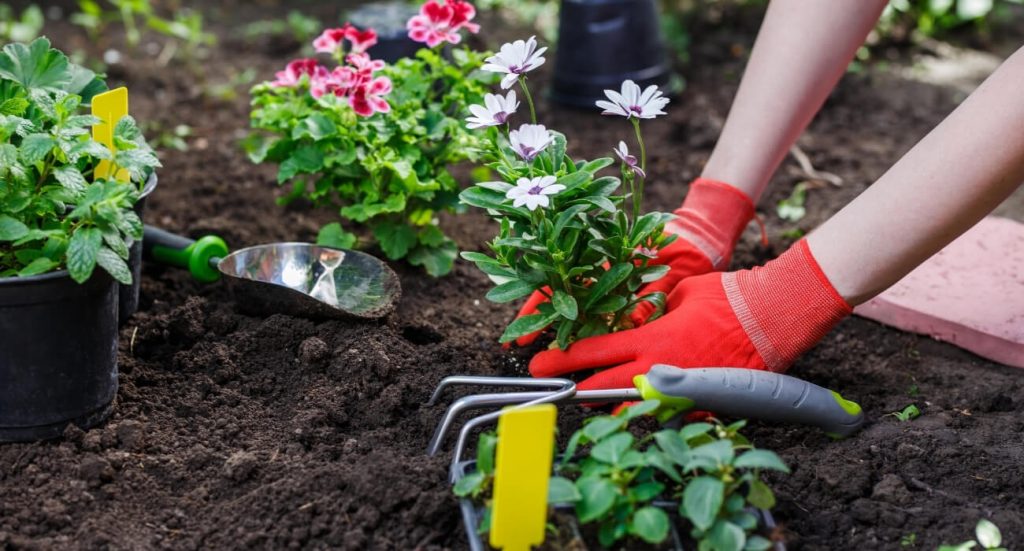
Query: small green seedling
914, 391
909, 540
987, 535
909, 413
792, 208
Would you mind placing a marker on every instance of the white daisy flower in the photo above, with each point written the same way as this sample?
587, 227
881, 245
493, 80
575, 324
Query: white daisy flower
631, 102
534, 192
530, 140
495, 110
515, 59
630, 160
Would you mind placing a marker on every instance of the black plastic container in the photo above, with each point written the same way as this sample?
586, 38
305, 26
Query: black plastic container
472, 514
604, 42
128, 295
388, 19
59, 354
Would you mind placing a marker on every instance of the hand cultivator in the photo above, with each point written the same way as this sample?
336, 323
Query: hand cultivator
734, 392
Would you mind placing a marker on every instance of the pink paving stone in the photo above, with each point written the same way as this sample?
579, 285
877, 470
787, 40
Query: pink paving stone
970, 294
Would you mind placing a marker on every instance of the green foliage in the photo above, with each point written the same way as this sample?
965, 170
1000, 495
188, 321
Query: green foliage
908, 413
622, 483
792, 207
296, 25
935, 17
387, 172
987, 535
23, 28
185, 25
54, 212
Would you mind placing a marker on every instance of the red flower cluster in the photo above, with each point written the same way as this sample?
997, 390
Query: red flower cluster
332, 40
441, 20
354, 80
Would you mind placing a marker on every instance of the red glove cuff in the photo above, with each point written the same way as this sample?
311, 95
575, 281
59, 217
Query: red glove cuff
785, 307
713, 217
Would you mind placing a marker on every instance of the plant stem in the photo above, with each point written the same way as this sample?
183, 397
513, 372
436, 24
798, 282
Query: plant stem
638, 190
529, 99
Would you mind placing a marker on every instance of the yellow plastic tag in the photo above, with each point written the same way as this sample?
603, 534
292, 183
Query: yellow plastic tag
109, 107
522, 469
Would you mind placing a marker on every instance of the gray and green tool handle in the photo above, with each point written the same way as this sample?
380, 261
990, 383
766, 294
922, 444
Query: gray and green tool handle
199, 256
753, 394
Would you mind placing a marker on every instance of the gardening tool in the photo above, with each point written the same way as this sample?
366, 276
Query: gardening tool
296, 278
731, 391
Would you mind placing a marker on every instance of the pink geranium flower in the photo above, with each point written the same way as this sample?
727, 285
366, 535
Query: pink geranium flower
331, 39
292, 74
364, 64
361, 40
440, 22
369, 98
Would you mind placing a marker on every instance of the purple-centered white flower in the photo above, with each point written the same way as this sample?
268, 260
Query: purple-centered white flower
631, 102
534, 192
623, 153
495, 110
515, 59
530, 140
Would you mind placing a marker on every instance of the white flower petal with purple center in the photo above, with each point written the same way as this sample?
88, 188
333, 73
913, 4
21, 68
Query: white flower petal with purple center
529, 140
515, 59
495, 110
632, 102
623, 153
534, 192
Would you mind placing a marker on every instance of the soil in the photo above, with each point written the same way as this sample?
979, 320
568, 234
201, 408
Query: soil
234, 432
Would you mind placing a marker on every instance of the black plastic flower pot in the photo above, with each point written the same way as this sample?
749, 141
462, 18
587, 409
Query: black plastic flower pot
604, 42
472, 515
128, 295
59, 360
388, 19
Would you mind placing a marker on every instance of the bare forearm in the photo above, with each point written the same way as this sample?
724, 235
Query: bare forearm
951, 179
802, 50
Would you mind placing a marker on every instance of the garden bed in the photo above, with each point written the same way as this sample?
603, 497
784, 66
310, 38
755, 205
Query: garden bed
233, 431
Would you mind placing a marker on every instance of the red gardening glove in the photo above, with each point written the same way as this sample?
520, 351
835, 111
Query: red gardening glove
759, 319
708, 224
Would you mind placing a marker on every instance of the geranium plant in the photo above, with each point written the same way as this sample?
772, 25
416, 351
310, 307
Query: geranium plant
376, 140
564, 230
54, 211
705, 473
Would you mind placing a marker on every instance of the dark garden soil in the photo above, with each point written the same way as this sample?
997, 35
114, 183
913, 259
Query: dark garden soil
233, 431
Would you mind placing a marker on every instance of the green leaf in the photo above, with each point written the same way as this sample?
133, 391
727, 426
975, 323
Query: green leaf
597, 496
114, 265
470, 484
562, 490
333, 235
11, 229
654, 273
306, 159
988, 534
565, 305
608, 281
38, 266
612, 449
726, 536
395, 239
702, 500
673, 445
609, 304
761, 459
650, 524
14, 106
507, 292
758, 543
84, 83
693, 430
526, 325
640, 409
719, 452
35, 66
35, 147
760, 495
71, 178
127, 129
82, 251
485, 448
316, 126
437, 261
646, 491
600, 427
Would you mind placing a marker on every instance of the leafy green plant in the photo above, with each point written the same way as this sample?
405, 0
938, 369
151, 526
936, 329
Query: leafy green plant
375, 141
987, 535
54, 212
23, 28
908, 413
628, 486
186, 25
792, 208
563, 230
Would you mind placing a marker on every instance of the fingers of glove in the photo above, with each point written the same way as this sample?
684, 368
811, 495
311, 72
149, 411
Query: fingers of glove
589, 353
617, 377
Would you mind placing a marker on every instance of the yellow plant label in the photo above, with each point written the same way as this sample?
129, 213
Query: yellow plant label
109, 107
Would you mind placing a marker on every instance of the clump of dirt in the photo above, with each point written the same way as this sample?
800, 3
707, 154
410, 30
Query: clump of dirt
233, 431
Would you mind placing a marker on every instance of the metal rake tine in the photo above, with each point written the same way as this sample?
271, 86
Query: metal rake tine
476, 380
476, 401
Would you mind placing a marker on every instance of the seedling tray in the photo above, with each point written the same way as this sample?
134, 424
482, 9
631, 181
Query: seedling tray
472, 513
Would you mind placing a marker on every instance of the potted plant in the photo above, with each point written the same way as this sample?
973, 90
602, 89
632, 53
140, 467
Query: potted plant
376, 140
388, 20
696, 487
58, 224
564, 231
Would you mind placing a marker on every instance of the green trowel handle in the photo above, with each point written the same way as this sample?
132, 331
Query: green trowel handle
753, 394
198, 257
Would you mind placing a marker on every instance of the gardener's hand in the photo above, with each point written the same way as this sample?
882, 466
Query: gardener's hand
708, 224
759, 319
